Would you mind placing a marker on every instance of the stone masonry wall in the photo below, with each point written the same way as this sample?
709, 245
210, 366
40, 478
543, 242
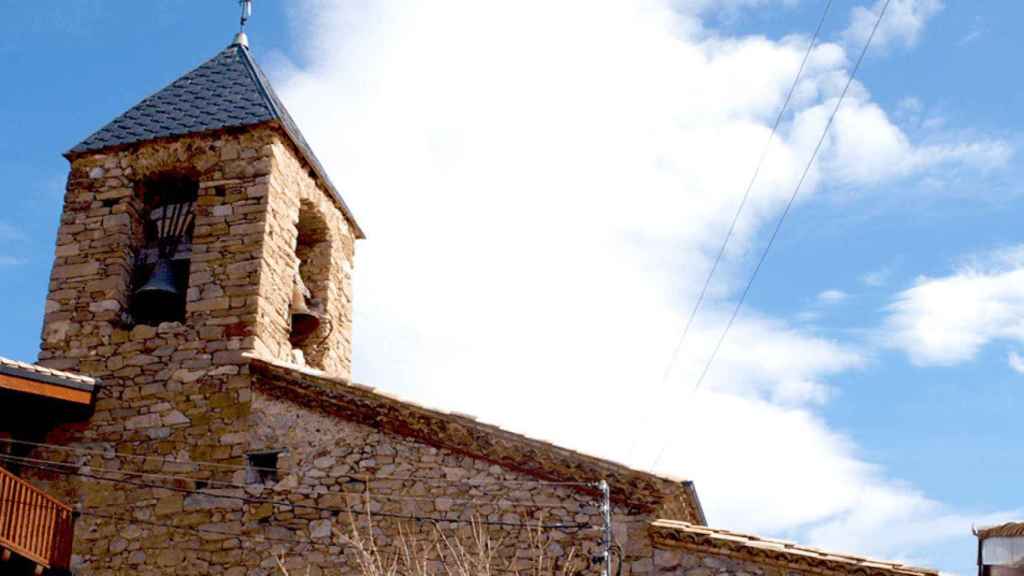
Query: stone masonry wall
251, 187
685, 562
327, 463
333, 463
99, 234
159, 469
294, 193
177, 390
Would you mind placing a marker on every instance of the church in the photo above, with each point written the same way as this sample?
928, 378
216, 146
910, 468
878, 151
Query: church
192, 409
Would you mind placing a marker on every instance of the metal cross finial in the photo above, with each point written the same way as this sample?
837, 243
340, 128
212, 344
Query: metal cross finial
246, 12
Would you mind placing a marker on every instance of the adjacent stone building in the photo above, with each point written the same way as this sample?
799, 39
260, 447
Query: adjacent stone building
203, 283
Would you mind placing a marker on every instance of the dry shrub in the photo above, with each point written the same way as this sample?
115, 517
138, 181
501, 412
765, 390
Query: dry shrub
473, 552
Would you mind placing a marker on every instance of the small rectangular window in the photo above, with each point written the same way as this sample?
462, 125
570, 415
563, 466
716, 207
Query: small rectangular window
262, 467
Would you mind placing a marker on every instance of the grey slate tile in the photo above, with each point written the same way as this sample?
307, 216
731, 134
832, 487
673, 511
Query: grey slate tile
222, 92
227, 91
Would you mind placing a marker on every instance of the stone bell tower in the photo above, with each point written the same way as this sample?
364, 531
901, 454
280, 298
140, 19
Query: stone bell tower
199, 226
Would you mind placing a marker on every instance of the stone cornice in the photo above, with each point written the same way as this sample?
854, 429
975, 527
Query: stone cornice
637, 490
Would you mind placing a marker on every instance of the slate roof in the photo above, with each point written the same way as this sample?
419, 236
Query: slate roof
669, 532
227, 91
46, 375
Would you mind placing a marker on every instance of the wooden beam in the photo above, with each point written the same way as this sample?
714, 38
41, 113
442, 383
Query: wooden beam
43, 389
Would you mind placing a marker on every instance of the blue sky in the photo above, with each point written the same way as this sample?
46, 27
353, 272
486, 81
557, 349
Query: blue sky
543, 187
936, 426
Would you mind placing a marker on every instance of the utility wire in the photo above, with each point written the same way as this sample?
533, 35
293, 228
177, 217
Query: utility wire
191, 529
201, 531
225, 466
746, 196
58, 467
225, 484
252, 538
782, 217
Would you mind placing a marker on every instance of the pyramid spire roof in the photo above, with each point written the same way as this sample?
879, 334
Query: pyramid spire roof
227, 91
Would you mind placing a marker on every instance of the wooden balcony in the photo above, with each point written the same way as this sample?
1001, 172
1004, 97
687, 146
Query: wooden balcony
34, 525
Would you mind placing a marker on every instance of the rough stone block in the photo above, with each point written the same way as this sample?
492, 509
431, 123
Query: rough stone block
142, 421
76, 270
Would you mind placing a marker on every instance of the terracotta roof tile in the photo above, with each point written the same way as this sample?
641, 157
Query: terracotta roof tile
42, 373
736, 543
1008, 529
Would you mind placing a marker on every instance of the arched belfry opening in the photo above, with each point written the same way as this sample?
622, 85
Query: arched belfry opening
311, 325
162, 260
181, 225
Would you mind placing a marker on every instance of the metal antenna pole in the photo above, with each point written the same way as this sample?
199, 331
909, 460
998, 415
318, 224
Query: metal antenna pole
241, 39
606, 510
246, 12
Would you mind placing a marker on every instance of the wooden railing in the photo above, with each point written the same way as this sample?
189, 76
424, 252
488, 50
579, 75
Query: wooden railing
33, 524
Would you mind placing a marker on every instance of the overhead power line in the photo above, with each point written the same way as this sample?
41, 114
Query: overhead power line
785, 212
746, 195
61, 468
360, 478
190, 529
204, 531
239, 486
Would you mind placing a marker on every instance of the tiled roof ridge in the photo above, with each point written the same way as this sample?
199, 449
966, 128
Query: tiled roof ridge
1005, 530
453, 430
677, 532
43, 374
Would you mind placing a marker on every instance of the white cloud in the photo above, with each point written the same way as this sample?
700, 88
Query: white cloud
912, 115
903, 22
705, 5
808, 316
976, 31
921, 521
832, 296
764, 359
10, 233
727, 10
947, 320
542, 204
866, 148
969, 38
910, 105
938, 122
1016, 362
877, 278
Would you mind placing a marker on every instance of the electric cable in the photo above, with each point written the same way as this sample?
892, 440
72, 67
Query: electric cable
56, 467
785, 212
223, 465
226, 484
746, 194
202, 531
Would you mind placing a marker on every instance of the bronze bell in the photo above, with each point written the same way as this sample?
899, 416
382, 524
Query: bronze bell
161, 289
305, 321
